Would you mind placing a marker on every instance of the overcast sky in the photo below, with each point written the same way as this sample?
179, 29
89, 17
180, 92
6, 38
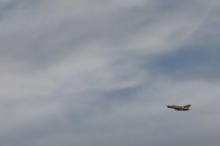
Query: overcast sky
101, 72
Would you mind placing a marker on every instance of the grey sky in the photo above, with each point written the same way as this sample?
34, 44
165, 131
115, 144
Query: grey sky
101, 72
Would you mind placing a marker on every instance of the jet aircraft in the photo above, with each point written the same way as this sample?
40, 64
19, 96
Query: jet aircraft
180, 107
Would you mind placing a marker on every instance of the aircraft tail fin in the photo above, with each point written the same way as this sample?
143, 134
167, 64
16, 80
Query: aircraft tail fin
187, 106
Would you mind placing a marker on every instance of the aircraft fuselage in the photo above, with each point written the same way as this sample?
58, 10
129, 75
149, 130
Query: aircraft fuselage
180, 107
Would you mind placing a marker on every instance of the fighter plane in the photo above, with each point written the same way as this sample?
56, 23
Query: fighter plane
180, 107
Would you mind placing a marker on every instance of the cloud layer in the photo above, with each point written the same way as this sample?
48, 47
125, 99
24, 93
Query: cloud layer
100, 73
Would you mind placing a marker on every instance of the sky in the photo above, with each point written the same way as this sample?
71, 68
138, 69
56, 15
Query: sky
101, 72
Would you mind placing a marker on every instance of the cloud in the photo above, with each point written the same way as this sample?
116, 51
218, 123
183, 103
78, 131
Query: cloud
196, 59
101, 72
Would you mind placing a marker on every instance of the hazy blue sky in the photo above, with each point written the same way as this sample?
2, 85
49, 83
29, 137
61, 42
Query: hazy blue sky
101, 72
